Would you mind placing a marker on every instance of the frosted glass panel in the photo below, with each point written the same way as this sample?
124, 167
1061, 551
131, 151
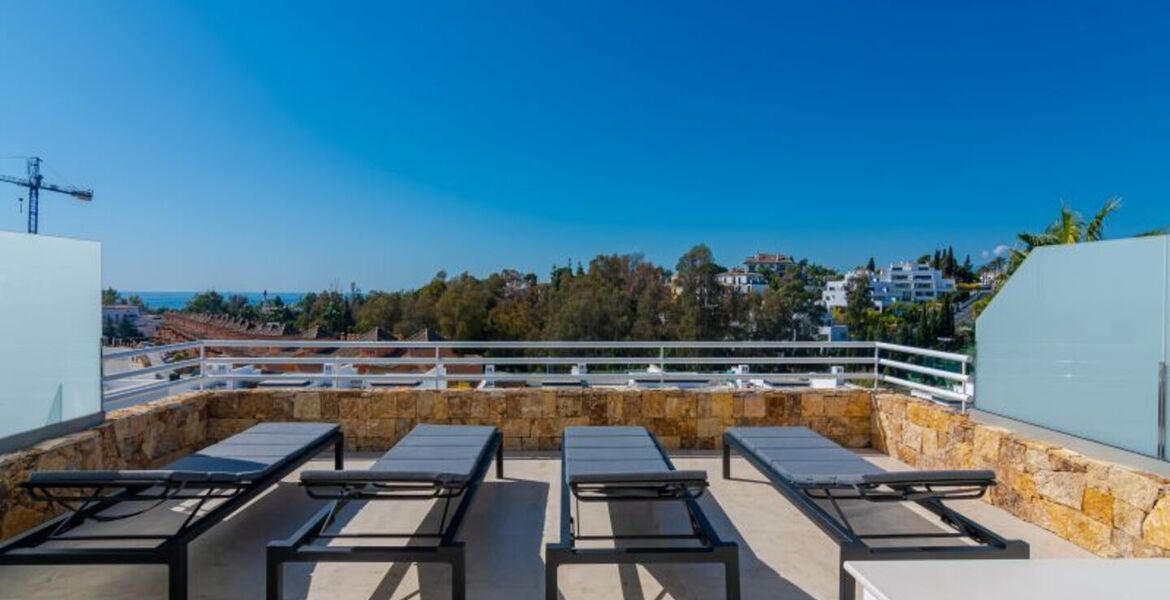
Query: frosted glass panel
1073, 341
50, 331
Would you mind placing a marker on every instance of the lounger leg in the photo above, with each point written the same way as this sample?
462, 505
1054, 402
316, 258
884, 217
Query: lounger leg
500, 461
458, 575
848, 586
177, 574
731, 573
726, 460
274, 584
339, 454
550, 574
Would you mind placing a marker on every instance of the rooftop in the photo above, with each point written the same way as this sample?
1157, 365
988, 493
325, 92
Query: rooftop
782, 554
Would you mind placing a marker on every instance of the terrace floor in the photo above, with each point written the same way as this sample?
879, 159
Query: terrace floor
782, 554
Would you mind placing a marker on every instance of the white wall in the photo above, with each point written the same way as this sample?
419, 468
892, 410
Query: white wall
50, 331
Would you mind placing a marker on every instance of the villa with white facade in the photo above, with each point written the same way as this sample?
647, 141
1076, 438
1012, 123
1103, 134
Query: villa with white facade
751, 278
743, 281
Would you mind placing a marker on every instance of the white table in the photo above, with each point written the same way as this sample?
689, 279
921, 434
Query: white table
1064, 579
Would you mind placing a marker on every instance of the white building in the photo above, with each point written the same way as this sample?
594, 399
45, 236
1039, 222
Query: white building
900, 282
743, 281
751, 278
147, 324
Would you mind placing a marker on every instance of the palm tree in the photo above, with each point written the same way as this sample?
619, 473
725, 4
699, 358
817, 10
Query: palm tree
1069, 228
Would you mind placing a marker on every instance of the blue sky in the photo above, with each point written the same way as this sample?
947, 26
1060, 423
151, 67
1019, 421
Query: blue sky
296, 146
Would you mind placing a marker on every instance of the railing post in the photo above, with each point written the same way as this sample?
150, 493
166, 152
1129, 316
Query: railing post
963, 372
877, 359
1162, 410
202, 362
662, 365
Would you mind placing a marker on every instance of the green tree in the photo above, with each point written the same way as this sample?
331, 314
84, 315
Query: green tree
700, 296
110, 296
209, 302
858, 301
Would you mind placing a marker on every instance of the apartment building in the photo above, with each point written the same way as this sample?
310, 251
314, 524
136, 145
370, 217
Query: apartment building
899, 282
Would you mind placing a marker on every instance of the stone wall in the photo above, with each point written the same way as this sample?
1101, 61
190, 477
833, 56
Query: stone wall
532, 419
139, 437
154, 434
1105, 508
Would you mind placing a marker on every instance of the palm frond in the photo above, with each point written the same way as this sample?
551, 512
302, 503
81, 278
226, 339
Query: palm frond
1155, 232
1068, 227
1095, 230
1035, 240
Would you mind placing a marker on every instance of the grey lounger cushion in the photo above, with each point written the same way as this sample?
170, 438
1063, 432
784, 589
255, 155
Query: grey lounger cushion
807, 458
618, 455
440, 454
240, 458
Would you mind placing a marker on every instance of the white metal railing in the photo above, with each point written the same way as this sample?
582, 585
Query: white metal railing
307, 363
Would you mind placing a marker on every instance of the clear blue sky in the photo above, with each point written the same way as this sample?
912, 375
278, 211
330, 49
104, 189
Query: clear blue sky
291, 146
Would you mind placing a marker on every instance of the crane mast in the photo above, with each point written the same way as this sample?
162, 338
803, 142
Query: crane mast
35, 182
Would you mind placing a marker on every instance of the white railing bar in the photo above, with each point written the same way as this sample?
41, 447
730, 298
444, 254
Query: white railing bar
961, 358
193, 362
660, 348
152, 350
934, 391
130, 392
531, 345
589, 377
897, 364
538, 360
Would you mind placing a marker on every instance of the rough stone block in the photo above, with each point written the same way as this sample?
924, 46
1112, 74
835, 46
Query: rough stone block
720, 405
1128, 517
812, 405
1098, 504
653, 404
754, 406
987, 441
1062, 487
1138, 489
1156, 527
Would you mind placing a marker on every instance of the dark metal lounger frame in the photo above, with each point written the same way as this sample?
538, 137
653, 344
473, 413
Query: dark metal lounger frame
853, 545
712, 549
172, 548
300, 548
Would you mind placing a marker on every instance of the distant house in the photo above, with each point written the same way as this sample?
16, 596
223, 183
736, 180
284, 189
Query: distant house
743, 281
900, 282
147, 325
751, 277
763, 262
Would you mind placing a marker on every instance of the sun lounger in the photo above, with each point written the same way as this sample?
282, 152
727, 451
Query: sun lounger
624, 464
863, 507
214, 483
433, 462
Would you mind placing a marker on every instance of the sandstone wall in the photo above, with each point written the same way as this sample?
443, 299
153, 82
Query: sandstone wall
1106, 508
145, 436
1103, 507
156, 433
532, 419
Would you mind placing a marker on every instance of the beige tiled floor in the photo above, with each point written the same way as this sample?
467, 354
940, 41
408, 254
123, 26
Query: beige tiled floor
782, 554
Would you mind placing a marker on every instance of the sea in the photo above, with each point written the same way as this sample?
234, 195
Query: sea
177, 300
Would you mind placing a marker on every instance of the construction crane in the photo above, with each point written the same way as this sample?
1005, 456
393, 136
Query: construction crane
35, 183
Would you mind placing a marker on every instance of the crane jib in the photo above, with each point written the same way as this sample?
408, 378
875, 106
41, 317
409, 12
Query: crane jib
35, 183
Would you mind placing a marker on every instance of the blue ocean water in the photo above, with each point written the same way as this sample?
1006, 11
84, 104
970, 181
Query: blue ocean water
177, 300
